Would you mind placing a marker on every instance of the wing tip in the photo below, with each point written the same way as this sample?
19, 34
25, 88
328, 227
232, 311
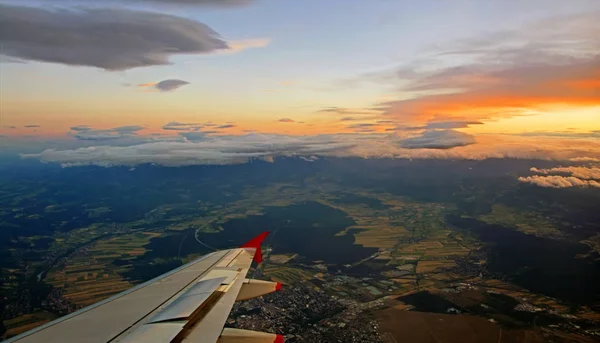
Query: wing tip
255, 243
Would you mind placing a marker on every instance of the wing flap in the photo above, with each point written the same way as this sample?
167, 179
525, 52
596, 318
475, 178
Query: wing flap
189, 301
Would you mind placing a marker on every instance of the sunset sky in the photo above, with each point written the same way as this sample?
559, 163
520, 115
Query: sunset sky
384, 78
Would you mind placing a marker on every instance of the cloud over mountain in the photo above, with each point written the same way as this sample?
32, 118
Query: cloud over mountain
214, 147
438, 139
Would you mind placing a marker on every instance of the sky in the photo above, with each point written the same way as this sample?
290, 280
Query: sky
182, 82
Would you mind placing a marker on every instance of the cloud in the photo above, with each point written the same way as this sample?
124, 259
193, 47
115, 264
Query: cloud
591, 134
110, 39
214, 147
219, 150
438, 139
455, 124
239, 45
216, 3
225, 126
361, 125
286, 120
10, 127
348, 119
482, 92
503, 74
347, 111
584, 159
31, 126
86, 133
177, 126
196, 136
203, 2
165, 85
559, 181
578, 172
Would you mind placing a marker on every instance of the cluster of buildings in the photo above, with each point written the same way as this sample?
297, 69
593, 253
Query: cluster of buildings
305, 314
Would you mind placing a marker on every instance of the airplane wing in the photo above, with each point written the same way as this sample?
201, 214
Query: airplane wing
188, 304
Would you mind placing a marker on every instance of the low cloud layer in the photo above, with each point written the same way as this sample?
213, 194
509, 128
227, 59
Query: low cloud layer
165, 85
214, 147
438, 139
555, 181
110, 39
592, 173
218, 150
286, 120
564, 177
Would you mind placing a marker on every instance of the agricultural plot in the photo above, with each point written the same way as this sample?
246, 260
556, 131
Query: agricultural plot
94, 273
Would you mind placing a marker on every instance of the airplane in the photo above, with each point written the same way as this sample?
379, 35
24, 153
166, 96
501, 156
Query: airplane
188, 304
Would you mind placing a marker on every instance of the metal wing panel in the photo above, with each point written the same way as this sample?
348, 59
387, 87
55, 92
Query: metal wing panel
207, 316
104, 321
183, 306
204, 330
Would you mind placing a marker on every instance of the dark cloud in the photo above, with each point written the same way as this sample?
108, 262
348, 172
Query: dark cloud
165, 85
361, 125
86, 133
345, 110
214, 3
455, 124
177, 126
565, 134
452, 124
225, 126
111, 39
348, 119
438, 139
10, 127
200, 2
286, 120
31, 126
80, 128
